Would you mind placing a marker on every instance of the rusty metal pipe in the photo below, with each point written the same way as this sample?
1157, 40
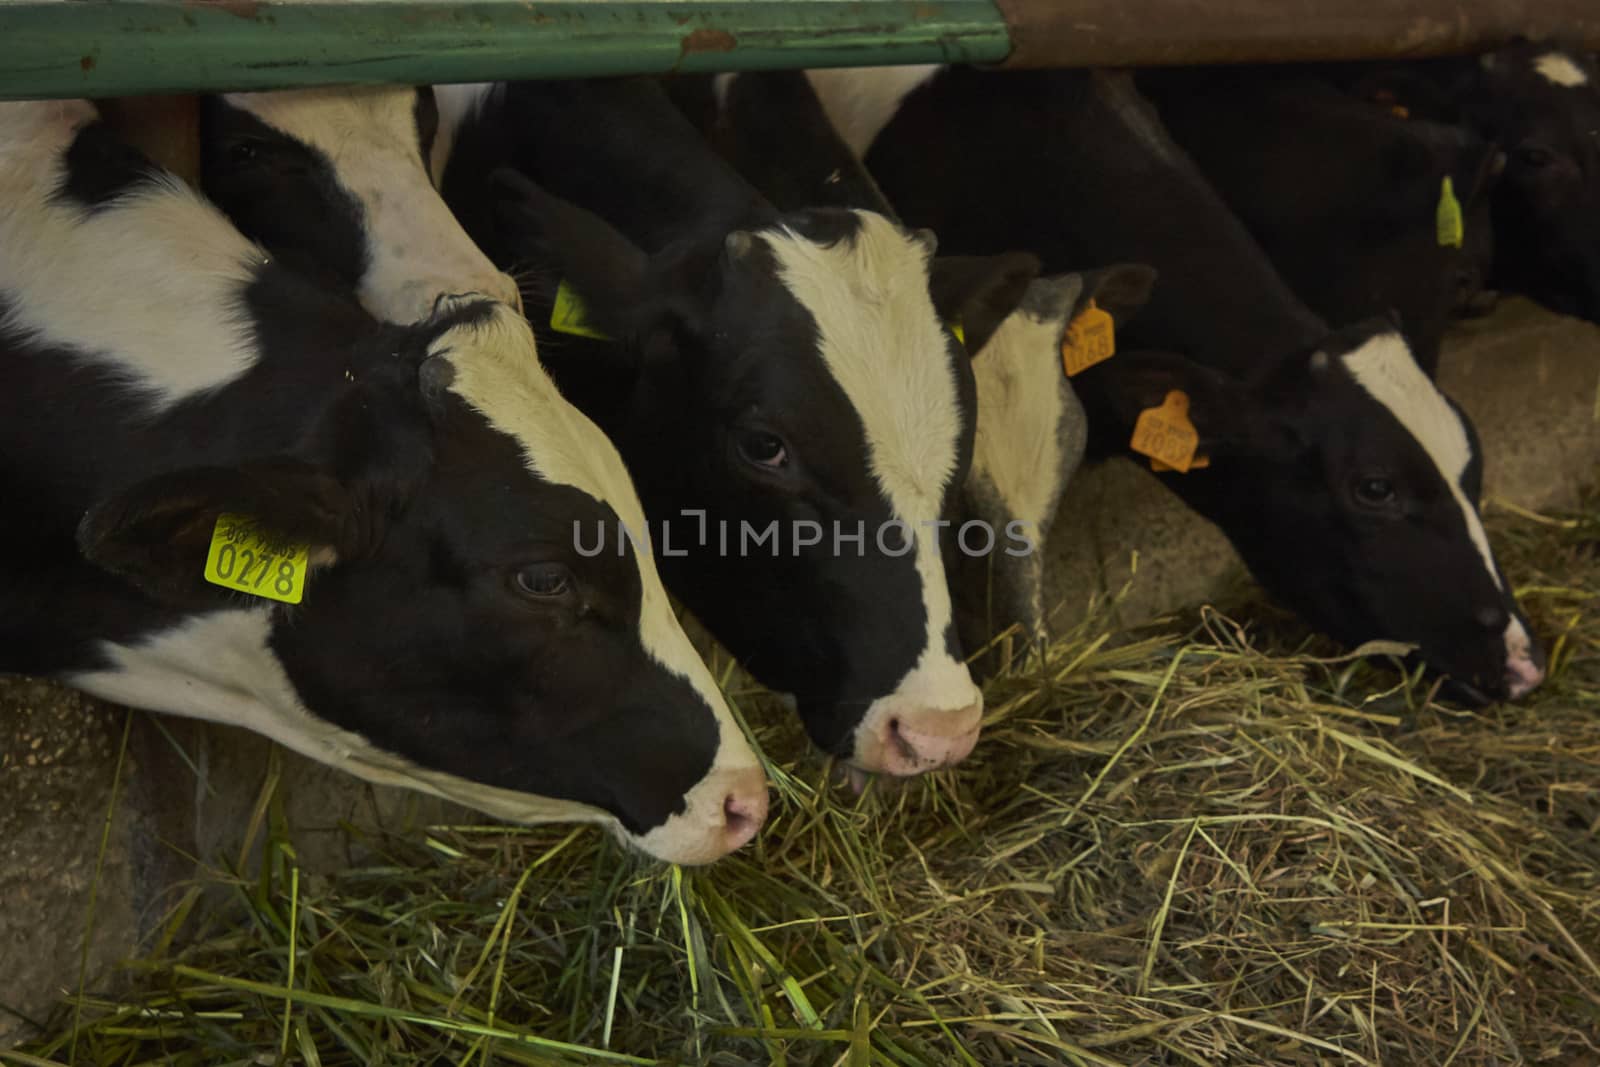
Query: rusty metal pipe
1152, 33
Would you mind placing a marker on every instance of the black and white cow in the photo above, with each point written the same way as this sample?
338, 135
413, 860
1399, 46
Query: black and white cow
774, 371
1540, 101
161, 371
335, 180
1342, 475
1345, 199
1031, 429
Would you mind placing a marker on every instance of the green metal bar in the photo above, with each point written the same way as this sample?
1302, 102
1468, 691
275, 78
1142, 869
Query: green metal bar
101, 48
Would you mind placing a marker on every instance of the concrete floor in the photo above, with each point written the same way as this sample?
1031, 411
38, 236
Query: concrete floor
1530, 379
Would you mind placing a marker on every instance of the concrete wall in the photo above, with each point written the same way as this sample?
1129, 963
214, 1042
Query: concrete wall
1530, 379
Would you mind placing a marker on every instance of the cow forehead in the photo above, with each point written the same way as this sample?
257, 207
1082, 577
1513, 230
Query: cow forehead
880, 339
340, 120
1558, 68
498, 374
1385, 369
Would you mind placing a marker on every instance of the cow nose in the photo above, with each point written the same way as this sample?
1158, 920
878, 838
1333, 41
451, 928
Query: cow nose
916, 740
744, 808
1524, 661
1523, 676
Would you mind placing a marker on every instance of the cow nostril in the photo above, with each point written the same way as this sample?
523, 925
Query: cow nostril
741, 818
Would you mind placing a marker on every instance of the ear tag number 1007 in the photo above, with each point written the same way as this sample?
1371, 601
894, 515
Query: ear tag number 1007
241, 558
1166, 435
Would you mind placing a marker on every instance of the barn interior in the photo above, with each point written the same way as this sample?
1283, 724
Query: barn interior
1196, 832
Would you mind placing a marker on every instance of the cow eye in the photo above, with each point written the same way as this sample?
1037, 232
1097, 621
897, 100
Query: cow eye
765, 450
543, 581
243, 153
1535, 157
1375, 492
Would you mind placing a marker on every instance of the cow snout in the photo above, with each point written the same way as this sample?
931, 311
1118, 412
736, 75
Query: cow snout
907, 740
744, 809
722, 813
1524, 661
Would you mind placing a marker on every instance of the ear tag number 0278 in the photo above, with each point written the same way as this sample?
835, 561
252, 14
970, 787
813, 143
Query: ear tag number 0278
1090, 339
1447, 217
241, 558
570, 316
1166, 435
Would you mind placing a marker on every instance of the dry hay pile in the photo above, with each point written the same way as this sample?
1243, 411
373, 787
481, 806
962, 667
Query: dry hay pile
1200, 843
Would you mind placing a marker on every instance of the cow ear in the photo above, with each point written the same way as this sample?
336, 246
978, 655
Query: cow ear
980, 291
1231, 417
157, 533
1121, 289
607, 270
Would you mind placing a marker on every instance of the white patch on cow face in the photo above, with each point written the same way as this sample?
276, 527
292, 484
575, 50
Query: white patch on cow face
1559, 69
498, 374
1023, 400
416, 249
1385, 368
860, 101
220, 668
458, 105
881, 340
147, 285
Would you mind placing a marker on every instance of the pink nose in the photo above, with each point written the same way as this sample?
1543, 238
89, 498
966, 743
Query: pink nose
1522, 676
744, 808
912, 742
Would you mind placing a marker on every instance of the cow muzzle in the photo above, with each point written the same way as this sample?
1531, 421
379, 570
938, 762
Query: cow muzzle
722, 814
904, 735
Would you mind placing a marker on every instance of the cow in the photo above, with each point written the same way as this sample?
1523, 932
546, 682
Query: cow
1345, 479
233, 494
1362, 211
1031, 430
770, 371
336, 181
1540, 101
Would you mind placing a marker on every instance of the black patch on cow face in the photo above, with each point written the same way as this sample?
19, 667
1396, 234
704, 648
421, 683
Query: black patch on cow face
475, 639
283, 194
1341, 513
746, 423
1547, 204
100, 168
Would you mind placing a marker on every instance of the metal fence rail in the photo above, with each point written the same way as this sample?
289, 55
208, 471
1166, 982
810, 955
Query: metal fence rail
52, 48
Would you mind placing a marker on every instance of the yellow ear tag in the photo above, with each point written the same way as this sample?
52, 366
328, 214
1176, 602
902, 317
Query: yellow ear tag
1166, 435
570, 316
954, 326
1447, 218
242, 558
1090, 339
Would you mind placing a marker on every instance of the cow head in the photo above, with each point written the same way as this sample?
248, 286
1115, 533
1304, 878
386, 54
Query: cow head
1030, 441
1352, 496
1542, 103
450, 636
799, 419
336, 182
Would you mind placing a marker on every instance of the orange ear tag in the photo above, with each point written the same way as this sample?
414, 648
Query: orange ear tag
1091, 338
1166, 435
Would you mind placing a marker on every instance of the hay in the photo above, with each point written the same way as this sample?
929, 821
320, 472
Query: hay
1202, 842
